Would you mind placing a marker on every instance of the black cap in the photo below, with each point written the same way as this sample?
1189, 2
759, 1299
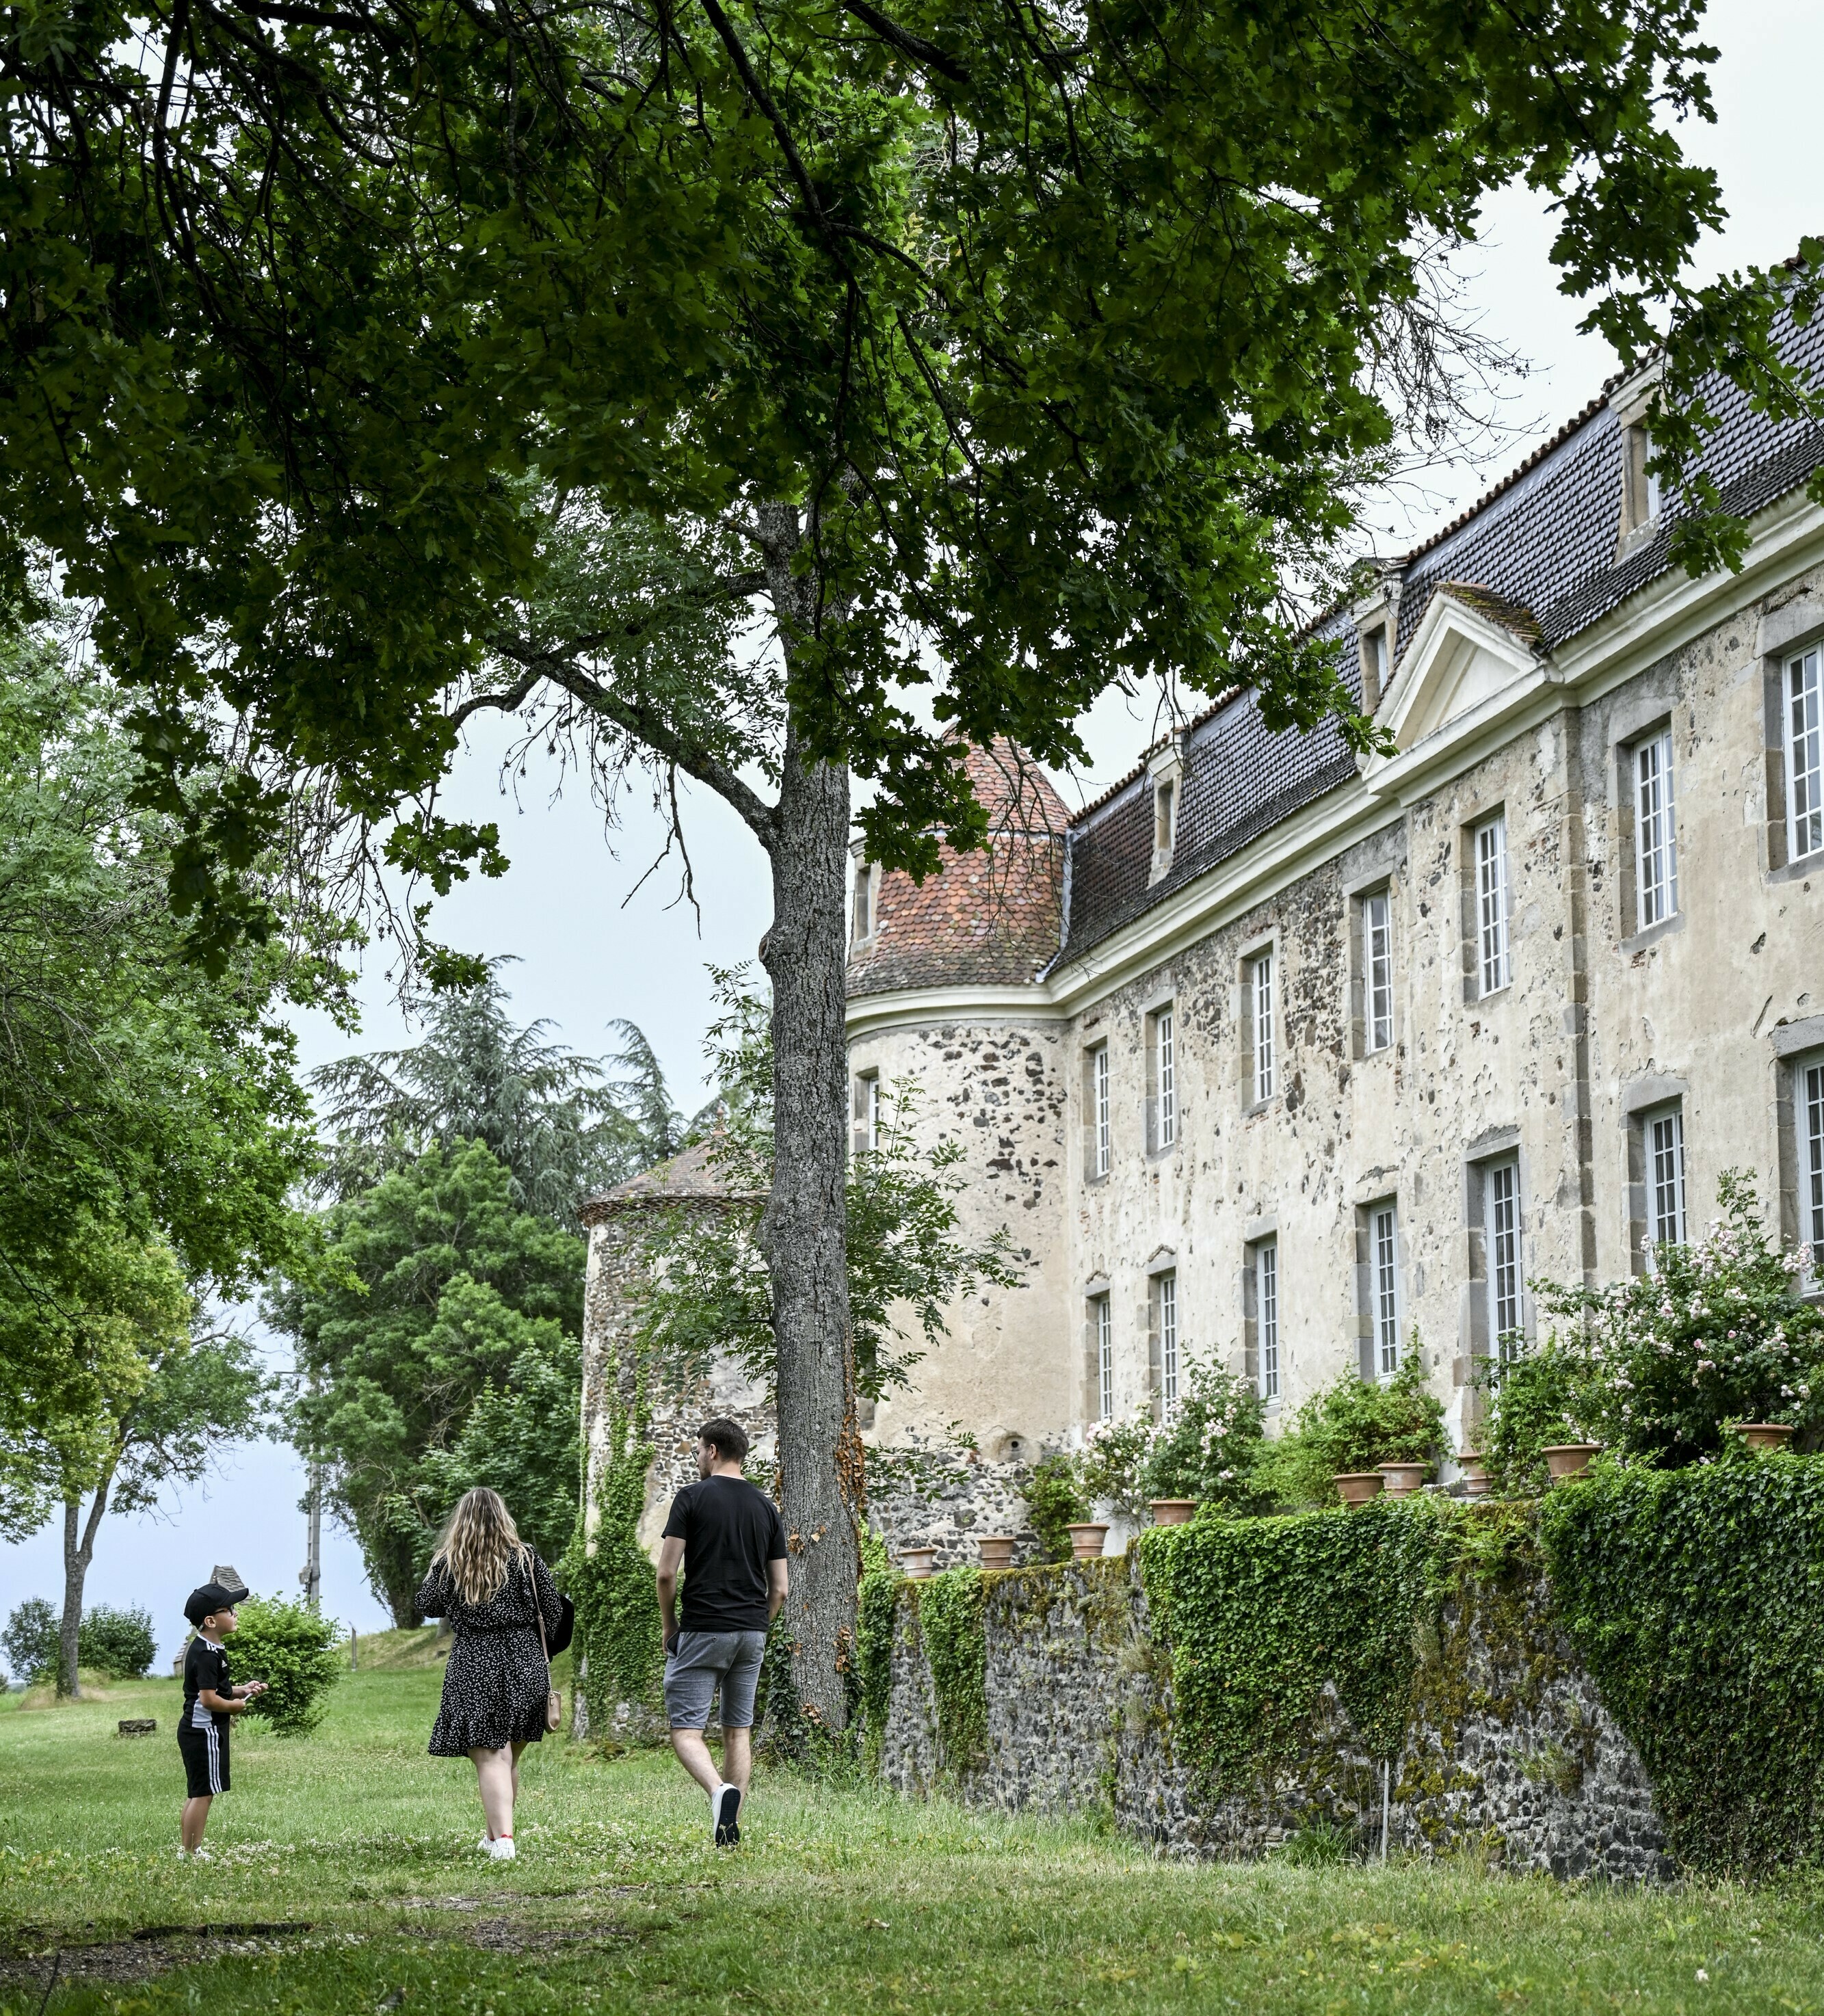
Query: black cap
205, 1602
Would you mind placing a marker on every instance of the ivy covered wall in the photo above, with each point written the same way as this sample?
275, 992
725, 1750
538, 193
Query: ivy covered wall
1622, 1680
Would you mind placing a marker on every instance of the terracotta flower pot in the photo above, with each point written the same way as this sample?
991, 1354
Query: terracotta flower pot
1566, 1459
1087, 1536
1764, 1435
1173, 1511
1356, 1487
1402, 1478
918, 1562
995, 1550
1476, 1482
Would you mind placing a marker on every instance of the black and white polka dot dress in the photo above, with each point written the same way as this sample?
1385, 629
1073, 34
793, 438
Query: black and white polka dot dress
494, 1684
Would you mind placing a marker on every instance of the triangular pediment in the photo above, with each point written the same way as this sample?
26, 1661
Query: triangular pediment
1470, 648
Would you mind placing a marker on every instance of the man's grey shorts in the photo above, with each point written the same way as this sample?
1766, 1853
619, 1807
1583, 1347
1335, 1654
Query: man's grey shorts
700, 1661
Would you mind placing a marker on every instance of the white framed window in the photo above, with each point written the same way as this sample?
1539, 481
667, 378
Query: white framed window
1804, 718
1384, 1264
1267, 1315
1810, 1103
866, 1113
864, 918
1491, 903
1165, 1288
1656, 846
1665, 1175
1100, 1316
1500, 1220
1264, 1073
1164, 1078
1100, 1146
1377, 953
1165, 799
1377, 659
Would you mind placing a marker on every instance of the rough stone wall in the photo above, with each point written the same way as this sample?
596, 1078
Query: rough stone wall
1006, 1371
1508, 1752
925, 1495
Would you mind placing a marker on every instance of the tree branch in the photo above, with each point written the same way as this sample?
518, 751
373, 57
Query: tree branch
908, 44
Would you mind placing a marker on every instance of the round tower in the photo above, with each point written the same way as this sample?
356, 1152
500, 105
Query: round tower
943, 999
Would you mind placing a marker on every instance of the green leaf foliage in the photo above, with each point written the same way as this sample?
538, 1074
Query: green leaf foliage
118, 1643
1055, 1501
1262, 1613
1211, 1446
950, 1623
876, 1608
1655, 1368
620, 1652
440, 1333
293, 1649
30, 1641
1696, 1598
1039, 343
1352, 1425
564, 1125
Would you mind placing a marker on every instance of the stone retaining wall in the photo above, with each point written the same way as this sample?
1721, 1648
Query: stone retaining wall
1508, 1752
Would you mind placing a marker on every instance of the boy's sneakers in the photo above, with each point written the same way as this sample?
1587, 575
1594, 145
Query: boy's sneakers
726, 1805
500, 1848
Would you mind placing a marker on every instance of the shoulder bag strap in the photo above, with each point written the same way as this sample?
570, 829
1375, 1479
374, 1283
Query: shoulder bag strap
538, 1607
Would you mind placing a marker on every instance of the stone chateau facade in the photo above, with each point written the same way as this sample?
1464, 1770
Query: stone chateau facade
1307, 1060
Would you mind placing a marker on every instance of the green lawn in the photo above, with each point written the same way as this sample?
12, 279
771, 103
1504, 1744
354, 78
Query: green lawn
846, 1900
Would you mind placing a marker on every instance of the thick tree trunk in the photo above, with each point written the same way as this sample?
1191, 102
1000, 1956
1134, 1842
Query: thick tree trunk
78, 1552
802, 1230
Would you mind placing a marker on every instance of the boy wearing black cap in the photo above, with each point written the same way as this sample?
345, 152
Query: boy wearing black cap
209, 1700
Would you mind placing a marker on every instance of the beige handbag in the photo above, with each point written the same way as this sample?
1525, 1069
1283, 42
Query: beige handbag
553, 1696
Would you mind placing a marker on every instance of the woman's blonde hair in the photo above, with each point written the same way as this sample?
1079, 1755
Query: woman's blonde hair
477, 1545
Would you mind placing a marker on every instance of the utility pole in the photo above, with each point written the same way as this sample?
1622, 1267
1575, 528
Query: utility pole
312, 1574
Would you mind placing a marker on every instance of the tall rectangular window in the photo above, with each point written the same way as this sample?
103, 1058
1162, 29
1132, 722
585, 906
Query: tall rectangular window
866, 1113
1656, 854
1260, 999
1813, 1212
1501, 1228
863, 900
1805, 699
1165, 1077
1104, 1359
1267, 1315
1385, 1260
1491, 903
1377, 947
1665, 1161
1167, 1291
1100, 1149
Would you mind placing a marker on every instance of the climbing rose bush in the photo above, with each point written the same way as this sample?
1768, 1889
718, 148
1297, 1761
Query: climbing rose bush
1209, 1447
1660, 1364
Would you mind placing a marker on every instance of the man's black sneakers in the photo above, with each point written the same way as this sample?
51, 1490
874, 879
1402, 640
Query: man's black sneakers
728, 1826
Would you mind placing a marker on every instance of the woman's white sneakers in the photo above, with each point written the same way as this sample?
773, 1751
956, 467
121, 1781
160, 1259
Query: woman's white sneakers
499, 1848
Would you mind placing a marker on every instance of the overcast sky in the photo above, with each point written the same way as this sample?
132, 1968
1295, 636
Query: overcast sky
590, 947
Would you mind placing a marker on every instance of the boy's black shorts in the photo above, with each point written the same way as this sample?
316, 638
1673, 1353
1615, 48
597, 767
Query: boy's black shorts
205, 1756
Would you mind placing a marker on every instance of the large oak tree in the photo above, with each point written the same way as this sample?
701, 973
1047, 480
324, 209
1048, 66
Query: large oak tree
371, 361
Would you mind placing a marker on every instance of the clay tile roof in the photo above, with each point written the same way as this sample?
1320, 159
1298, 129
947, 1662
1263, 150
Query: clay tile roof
986, 918
690, 1177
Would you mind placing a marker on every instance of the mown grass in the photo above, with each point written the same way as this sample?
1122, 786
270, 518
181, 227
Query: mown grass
839, 1898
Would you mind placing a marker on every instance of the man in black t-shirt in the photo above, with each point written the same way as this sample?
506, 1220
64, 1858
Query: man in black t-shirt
728, 1536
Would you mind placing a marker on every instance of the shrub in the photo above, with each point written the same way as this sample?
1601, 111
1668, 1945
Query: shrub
1353, 1426
291, 1648
1208, 1450
1055, 1499
117, 1643
1660, 1364
1695, 1596
30, 1640
1534, 1401
950, 1619
1114, 1461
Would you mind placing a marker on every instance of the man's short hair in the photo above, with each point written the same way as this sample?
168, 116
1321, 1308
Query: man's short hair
727, 1438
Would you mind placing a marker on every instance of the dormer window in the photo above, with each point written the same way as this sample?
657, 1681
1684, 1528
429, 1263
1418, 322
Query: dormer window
864, 899
1641, 500
1374, 666
1166, 770
1375, 616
